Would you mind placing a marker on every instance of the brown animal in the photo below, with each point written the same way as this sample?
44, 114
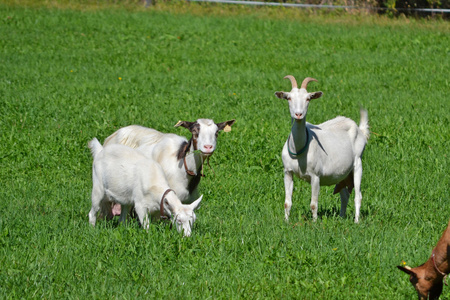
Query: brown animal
427, 278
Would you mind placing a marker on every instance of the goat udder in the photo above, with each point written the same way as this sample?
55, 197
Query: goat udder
116, 209
346, 183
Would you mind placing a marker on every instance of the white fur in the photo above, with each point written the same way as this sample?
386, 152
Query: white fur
163, 148
124, 175
334, 151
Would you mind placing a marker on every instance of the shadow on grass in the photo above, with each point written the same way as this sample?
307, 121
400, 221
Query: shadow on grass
329, 213
133, 223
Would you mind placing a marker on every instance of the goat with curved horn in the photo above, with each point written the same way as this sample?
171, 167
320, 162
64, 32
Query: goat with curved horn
306, 81
324, 154
292, 79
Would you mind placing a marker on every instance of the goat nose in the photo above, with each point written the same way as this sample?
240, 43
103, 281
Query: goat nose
298, 115
208, 147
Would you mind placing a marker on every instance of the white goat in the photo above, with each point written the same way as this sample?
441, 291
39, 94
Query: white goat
325, 154
124, 175
181, 160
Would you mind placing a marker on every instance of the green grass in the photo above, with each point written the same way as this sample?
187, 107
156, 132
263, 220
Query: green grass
67, 76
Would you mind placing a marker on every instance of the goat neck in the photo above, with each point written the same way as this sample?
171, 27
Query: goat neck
298, 139
162, 212
193, 160
440, 255
440, 264
441, 252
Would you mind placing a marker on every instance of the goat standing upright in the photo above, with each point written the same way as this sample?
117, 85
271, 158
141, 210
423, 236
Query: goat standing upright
325, 154
427, 278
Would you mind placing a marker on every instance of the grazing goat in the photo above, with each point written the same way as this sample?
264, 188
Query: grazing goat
427, 278
325, 154
124, 175
181, 160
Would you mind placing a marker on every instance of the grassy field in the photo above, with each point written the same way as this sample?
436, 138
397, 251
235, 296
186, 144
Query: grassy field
67, 76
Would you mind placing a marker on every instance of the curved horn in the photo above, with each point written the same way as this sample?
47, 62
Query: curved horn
306, 81
292, 79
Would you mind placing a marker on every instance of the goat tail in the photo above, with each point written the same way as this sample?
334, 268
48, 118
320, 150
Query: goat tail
364, 122
95, 147
110, 139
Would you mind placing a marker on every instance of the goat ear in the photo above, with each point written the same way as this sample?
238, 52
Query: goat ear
226, 126
315, 95
196, 204
282, 95
184, 124
407, 270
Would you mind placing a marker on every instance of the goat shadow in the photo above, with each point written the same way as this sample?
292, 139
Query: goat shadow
314, 136
327, 212
132, 222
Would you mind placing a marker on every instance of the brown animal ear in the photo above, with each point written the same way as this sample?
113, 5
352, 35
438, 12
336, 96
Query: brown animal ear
282, 95
184, 124
407, 270
315, 95
226, 126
